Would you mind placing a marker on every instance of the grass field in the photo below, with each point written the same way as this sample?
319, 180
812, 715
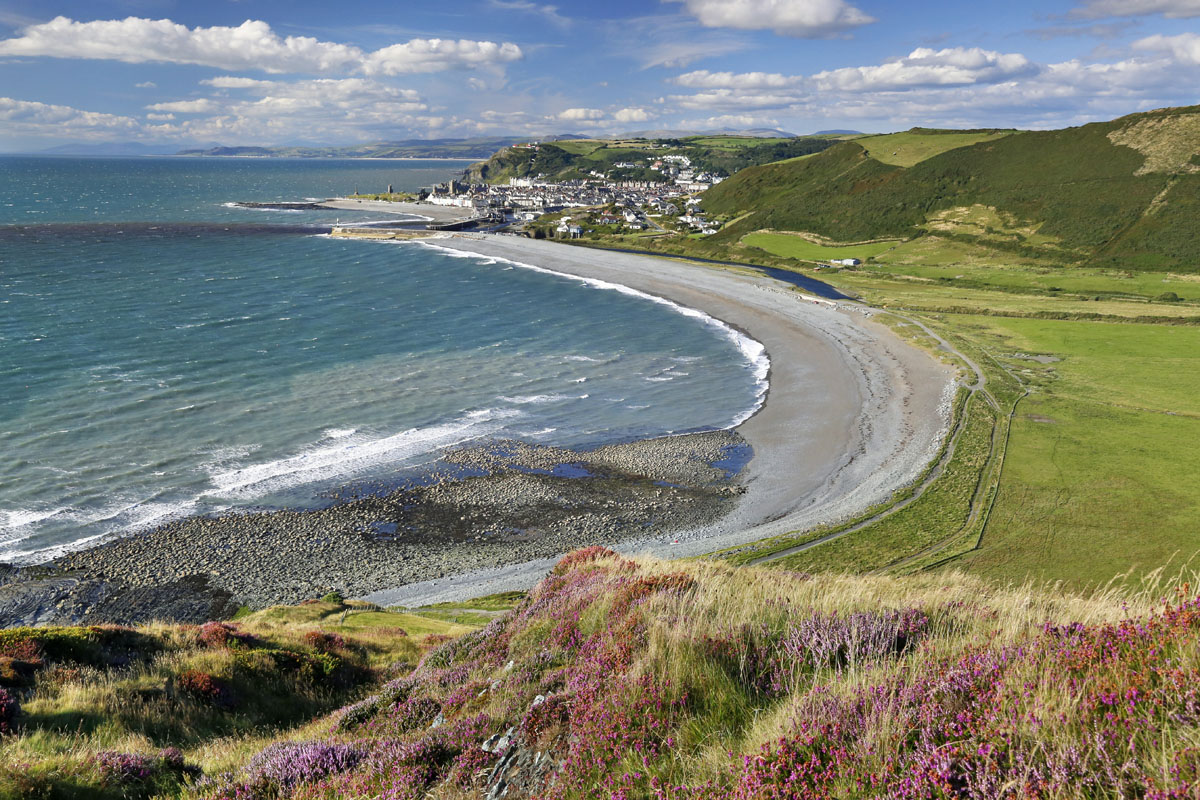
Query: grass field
910, 148
792, 246
732, 142
1102, 473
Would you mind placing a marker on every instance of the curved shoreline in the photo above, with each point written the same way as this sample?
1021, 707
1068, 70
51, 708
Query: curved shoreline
851, 412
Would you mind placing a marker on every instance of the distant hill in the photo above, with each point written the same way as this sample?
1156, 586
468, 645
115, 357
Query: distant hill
754, 133
837, 132
1120, 194
721, 154
407, 148
108, 149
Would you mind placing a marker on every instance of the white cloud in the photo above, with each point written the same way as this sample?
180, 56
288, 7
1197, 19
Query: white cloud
703, 79
736, 121
730, 99
954, 66
549, 13
28, 118
802, 18
578, 114
160, 117
633, 115
201, 106
1185, 47
251, 45
1172, 9
146, 85
234, 82
435, 55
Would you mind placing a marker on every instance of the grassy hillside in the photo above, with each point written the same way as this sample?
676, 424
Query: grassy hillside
651, 679
568, 160
112, 712
909, 148
1118, 194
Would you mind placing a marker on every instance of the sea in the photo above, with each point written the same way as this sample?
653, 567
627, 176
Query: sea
165, 353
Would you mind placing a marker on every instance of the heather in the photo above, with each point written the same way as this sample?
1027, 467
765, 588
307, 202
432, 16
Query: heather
619, 678
121, 712
638, 678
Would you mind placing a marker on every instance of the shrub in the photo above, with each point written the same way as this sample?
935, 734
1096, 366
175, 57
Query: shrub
205, 687
222, 635
1168, 297
287, 764
122, 768
334, 597
10, 708
576, 558
324, 642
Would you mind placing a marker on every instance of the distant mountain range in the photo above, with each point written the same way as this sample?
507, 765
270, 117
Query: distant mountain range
109, 149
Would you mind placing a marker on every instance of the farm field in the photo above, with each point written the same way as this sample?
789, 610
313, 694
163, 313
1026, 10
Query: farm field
1101, 475
790, 245
910, 148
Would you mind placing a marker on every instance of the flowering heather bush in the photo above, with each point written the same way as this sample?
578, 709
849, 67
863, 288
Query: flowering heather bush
324, 642
10, 709
205, 687
22, 649
831, 640
221, 635
120, 768
285, 764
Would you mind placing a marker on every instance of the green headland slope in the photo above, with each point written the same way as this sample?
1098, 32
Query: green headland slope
1123, 193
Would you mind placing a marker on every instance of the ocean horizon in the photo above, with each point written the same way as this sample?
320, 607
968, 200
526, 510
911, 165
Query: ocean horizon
165, 353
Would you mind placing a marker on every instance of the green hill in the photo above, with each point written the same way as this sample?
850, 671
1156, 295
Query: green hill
561, 161
1120, 194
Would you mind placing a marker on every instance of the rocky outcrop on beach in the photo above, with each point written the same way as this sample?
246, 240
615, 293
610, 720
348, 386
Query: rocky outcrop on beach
484, 506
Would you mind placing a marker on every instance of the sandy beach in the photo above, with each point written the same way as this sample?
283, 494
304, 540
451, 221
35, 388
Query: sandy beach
852, 414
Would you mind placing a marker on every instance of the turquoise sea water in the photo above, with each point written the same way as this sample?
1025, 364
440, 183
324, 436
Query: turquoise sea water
162, 353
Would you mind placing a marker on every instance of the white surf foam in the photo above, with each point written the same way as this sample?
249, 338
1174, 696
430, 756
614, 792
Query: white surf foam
752, 350
345, 458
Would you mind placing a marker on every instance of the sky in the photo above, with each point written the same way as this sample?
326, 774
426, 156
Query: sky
282, 72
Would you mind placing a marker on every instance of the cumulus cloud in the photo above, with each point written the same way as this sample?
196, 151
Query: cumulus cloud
251, 45
801, 18
435, 55
736, 121
954, 66
1184, 48
579, 114
23, 117
201, 106
1172, 9
160, 117
633, 115
146, 85
731, 99
235, 82
703, 79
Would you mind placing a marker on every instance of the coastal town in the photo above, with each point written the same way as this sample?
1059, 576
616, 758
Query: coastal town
670, 204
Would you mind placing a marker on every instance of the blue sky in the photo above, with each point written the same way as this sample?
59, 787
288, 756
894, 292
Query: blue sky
292, 71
